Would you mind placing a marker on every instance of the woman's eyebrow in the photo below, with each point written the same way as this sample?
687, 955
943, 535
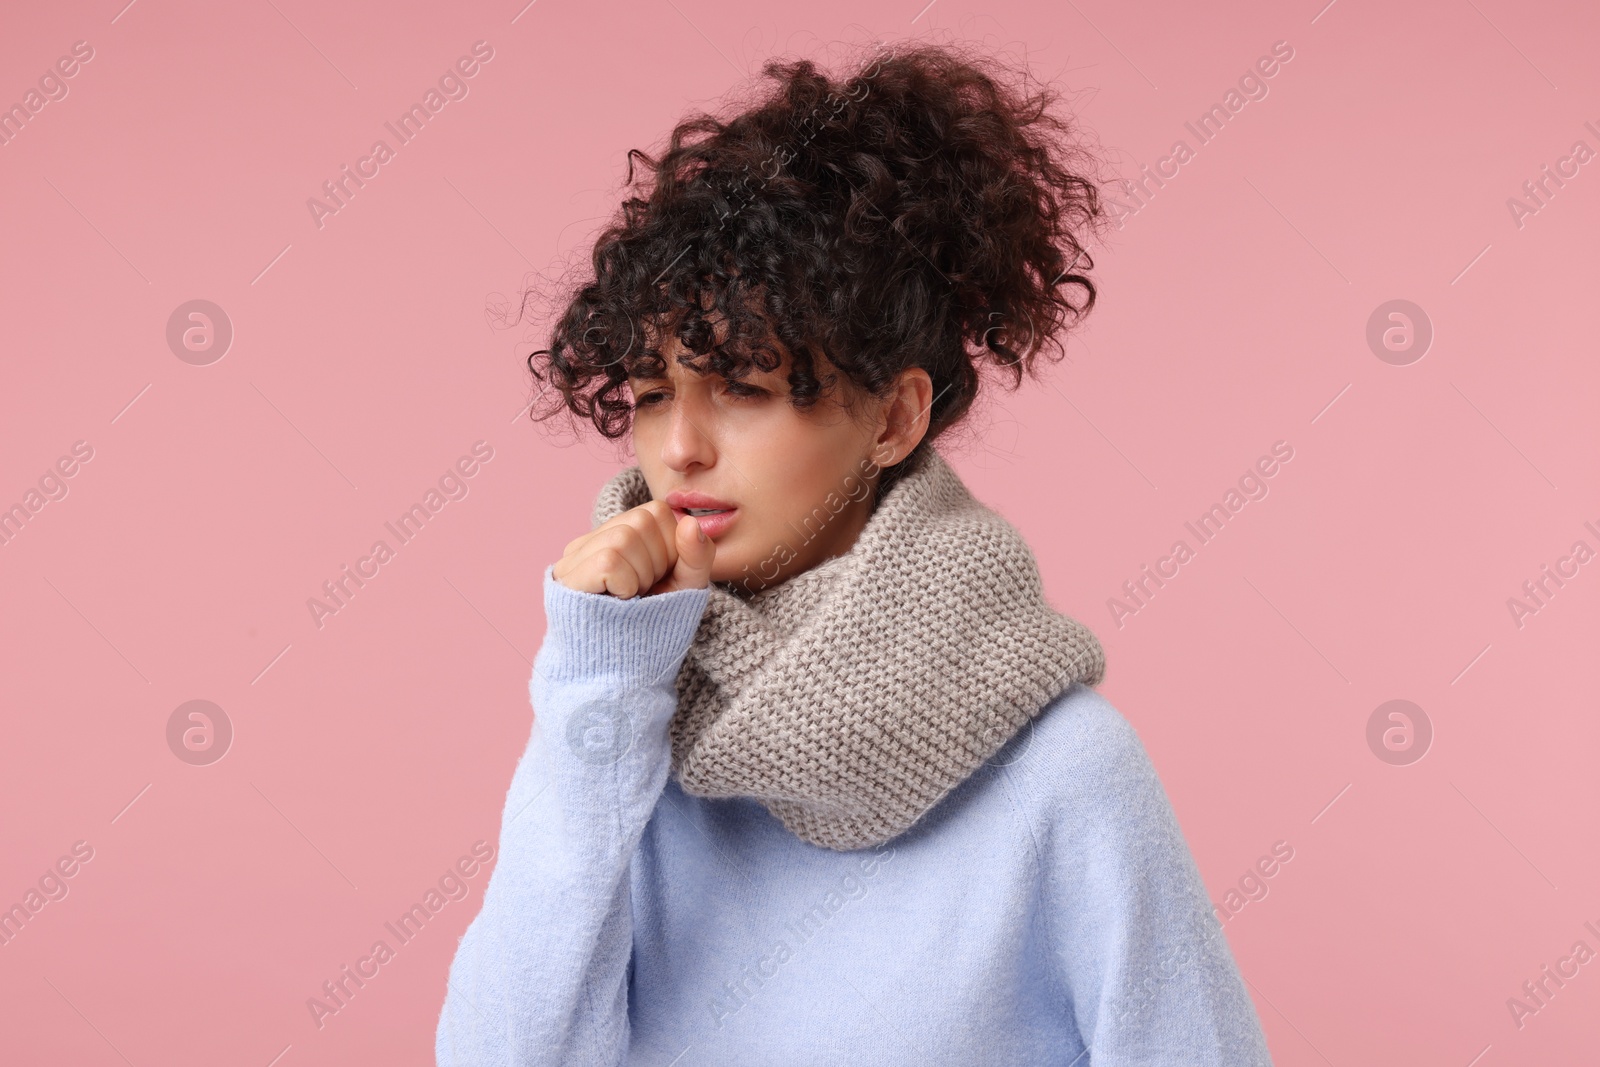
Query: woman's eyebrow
778, 375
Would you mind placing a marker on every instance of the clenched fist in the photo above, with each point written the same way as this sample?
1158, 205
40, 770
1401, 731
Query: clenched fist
642, 551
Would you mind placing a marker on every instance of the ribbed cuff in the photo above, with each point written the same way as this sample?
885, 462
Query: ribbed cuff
594, 635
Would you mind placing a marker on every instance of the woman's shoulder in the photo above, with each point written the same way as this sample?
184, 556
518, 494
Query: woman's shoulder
1078, 733
1082, 762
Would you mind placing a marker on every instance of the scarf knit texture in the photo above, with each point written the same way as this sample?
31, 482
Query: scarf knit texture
852, 697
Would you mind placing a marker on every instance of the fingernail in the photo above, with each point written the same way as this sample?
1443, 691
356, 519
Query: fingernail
701, 530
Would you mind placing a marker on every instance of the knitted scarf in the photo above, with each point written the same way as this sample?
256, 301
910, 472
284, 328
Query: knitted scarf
851, 697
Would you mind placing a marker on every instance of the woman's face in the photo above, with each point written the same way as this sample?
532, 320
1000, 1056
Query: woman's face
794, 487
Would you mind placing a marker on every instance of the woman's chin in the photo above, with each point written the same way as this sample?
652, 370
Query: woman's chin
726, 572
751, 570
735, 566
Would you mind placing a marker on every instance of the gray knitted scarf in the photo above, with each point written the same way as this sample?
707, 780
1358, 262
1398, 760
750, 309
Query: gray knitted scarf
853, 696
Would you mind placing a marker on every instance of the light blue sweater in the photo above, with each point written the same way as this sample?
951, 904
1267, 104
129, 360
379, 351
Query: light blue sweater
1046, 913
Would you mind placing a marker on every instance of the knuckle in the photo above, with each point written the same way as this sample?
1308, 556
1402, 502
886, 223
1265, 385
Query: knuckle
619, 536
642, 517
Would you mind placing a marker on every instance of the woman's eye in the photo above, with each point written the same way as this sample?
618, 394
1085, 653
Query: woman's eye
734, 388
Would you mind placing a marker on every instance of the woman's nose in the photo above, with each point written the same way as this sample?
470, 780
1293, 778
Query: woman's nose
687, 442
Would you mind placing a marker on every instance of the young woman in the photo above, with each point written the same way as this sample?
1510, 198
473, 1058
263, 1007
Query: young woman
817, 775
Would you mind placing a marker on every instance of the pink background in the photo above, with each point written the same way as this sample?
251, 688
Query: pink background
369, 754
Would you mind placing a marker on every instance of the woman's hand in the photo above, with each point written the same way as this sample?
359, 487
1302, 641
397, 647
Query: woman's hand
642, 551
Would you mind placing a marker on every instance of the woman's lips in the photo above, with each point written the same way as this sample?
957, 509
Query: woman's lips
712, 525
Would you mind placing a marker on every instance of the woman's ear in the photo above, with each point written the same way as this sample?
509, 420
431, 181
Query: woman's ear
904, 419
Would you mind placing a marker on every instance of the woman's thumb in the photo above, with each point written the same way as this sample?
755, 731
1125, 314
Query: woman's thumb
695, 553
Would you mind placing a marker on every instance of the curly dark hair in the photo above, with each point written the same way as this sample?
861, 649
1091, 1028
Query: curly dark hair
920, 213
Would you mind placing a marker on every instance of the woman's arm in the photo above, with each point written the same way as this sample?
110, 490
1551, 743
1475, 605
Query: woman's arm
541, 975
1131, 934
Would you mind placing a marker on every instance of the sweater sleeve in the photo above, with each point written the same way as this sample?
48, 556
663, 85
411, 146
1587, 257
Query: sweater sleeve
541, 974
1131, 936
